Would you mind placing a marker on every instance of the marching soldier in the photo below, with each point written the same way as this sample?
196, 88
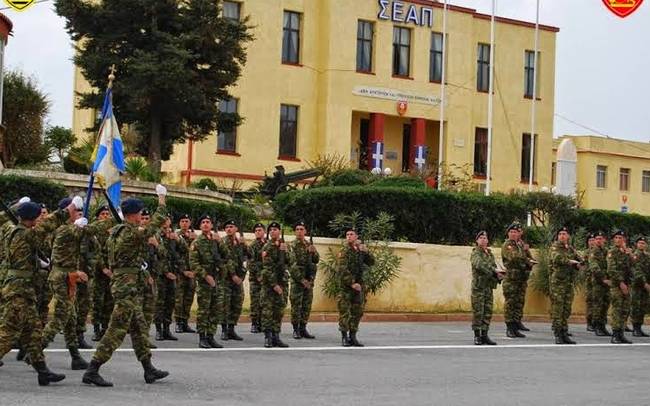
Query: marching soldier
518, 262
127, 246
255, 276
352, 262
42, 287
207, 254
640, 286
101, 288
185, 283
600, 284
231, 289
169, 266
151, 258
274, 286
304, 259
565, 262
485, 279
589, 284
619, 272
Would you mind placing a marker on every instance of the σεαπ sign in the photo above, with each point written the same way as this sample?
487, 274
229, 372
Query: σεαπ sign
401, 12
397, 95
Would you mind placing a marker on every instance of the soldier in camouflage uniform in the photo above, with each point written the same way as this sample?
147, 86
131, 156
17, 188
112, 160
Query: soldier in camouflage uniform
207, 255
185, 283
640, 286
101, 282
597, 271
352, 262
589, 284
619, 273
518, 262
127, 246
149, 290
19, 313
485, 279
565, 263
255, 276
275, 283
231, 288
42, 286
170, 265
304, 259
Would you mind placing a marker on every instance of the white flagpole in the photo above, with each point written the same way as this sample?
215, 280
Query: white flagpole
490, 101
441, 129
533, 104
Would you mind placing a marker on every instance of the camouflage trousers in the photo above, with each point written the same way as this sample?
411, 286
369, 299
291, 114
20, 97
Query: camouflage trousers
231, 300
20, 322
482, 302
639, 304
600, 301
589, 299
514, 293
208, 307
255, 292
83, 306
273, 306
149, 304
64, 317
620, 308
43, 295
561, 295
301, 300
350, 304
102, 299
185, 288
165, 300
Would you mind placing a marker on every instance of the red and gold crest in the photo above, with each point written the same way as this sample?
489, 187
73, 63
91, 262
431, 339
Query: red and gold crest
402, 106
622, 8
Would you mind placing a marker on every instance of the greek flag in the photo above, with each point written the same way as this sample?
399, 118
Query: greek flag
378, 154
108, 157
420, 159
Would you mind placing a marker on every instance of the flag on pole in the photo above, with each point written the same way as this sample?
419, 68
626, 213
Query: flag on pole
420, 156
108, 157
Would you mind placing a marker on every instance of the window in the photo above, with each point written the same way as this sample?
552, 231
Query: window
227, 140
553, 173
480, 152
231, 10
624, 180
401, 51
406, 148
525, 158
291, 38
483, 67
435, 63
601, 176
288, 130
364, 132
645, 182
529, 74
364, 46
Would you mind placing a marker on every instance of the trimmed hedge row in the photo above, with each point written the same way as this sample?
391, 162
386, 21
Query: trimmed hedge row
607, 220
39, 190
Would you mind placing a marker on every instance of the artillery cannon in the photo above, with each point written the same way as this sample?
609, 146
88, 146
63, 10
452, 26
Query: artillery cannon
282, 182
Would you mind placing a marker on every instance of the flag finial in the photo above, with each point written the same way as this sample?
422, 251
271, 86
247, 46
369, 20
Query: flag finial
111, 76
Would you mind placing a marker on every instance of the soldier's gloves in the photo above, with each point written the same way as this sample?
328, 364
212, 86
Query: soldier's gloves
43, 263
78, 202
144, 266
24, 199
81, 222
161, 190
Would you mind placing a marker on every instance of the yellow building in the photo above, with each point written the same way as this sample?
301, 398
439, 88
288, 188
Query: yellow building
612, 174
340, 76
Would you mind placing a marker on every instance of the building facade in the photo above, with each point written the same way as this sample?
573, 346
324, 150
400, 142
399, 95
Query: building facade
361, 79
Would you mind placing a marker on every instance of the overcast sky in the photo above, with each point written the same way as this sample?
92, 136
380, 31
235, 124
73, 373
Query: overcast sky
602, 65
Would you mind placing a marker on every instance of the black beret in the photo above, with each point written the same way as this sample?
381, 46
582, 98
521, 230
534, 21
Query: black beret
205, 217
350, 228
480, 234
514, 226
591, 236
43, 206
146, 212
259, 225
132, 206
29, 211
274, 224
184, 217
618, 232
101, 209
563, 228
599, 234
230, 223
641, 238
65, 202
298, 224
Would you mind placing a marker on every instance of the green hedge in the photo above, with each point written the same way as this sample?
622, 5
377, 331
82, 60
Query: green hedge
400, 181
608, 221
39, 190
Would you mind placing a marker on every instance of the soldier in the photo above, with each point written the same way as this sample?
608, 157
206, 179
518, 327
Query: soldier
304, 258
619, 273
352, 261
18, 295
42, 287
255, 276
170, 265
565, 262
149, 294
207, 254
600, 284
185, 283
231, 289
101, 290
518, 262
640, 286
589, 285
127, 246
275, 260
485, 279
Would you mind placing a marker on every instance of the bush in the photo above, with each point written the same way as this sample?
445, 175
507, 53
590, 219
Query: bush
205, 183
400, 181
347, 177
39, 190
608, 220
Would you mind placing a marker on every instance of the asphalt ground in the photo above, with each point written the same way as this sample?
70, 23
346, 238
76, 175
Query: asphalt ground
402, 364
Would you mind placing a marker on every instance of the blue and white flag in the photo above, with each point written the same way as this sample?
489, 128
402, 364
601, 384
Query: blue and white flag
420, 156
377, 157
108, 157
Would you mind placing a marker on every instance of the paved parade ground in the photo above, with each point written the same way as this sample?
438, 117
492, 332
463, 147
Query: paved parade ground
402, 364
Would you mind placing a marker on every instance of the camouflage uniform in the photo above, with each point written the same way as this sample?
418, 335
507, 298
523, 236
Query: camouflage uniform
255, 281
351, 266
273, 273
185, 287
303, 267
41, 284
641, 275
484, 281
619, 269
170, 262
561, 284
597, 272
102, 299
231, 295
516, 260
149, 291
589, 290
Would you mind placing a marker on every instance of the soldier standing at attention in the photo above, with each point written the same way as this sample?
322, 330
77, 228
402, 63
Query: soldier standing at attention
101, 282
518, 263
170, 265
231, 289
589, 284
485, 279
185, 283
600, 284
352, 261
565, 262
255, 276
640, 286
619, 272
127, 247
304, 259
274, 286
207, 255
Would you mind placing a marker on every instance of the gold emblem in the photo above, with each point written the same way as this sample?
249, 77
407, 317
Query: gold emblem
20, 5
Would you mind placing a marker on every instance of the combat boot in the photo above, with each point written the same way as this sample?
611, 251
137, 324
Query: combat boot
478, 337
638, 332
277, 342
92, 376
187, 328
345, 340
81, 341
520, 326
212, 342
296, 332
353, 339
565, 337
304, 333
268, 339
45, 376
232, 335
159, 332
97, 329
559, 339
254, 328
77, 363
623, 339
179, 327
617, 337
224, 332
167, 334
590, 325
203, 341
21, 354
601, 330
486, 339
512, 331
151, 374
1, 363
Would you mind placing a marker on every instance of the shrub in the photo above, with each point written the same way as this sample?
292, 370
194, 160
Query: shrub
39, 190
347, 177
400, 181
205, 183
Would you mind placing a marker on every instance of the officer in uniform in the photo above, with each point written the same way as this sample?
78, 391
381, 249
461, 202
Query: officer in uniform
600, 284
274, 286
255, 276
231, 288
619, 273
185, 283
640, 286
485, 278
304, 259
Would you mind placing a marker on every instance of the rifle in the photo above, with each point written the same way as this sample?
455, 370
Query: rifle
311, 270
283, 259
216, 255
